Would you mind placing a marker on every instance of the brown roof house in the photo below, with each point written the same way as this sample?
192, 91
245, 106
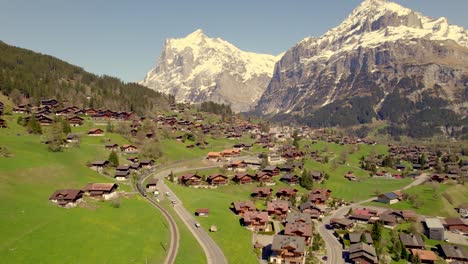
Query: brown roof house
217, 179
202, 212
129, 149
319, 196
152, 184
96, 132
190, 179
410, 241
286, 192
75, 121
426, 256
66, 198
262, 192
278, 208
255, 220
453, 253
311, 209
242, 178
288, 249
299, 229
362, 253
453, 224
104, 190
243, 206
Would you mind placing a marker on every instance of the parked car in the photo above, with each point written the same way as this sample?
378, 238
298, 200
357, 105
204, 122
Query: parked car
197, 225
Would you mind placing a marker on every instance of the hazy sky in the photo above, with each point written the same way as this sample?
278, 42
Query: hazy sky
124, 38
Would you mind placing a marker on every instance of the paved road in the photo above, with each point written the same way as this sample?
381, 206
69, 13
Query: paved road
333, 246
213, 252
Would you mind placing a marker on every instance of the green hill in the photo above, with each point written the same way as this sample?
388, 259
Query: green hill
37, 76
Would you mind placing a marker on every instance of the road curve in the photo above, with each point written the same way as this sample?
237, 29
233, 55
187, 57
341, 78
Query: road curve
173, 229
333, 246
213, 252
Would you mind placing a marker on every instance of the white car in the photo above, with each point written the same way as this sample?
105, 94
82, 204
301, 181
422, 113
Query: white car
197, 225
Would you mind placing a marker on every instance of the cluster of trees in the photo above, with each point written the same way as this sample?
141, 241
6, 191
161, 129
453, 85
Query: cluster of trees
215, 108
306, 181
34, 76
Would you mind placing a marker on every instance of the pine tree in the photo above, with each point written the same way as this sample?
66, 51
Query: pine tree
113, 159
34, 127
306, 181
404, 253
66, 126
55, 137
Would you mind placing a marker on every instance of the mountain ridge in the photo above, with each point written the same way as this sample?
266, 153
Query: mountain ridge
198, 68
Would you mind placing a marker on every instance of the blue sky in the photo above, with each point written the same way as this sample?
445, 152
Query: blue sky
124, 38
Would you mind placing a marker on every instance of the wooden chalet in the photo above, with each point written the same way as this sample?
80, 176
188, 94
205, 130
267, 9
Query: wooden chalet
426, 256
341, 223
285, 192
278, 208
217, 179
152, 184
255, 220
243, 206
99, 165
214, 156
104, 190
202, 212
121, 175
67, 197
311, 209
290, 178
75, 121
262, 176
411, 241
298, 217
190, 179
262, 192
272, 170
299, 229
455, 224
96, 132
453, 253
288, 249
363, 253
242, 178
319, 196
44, 120
129, 149
147, 163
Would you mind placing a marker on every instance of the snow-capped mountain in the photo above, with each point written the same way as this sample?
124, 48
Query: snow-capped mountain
382, 50
197, 68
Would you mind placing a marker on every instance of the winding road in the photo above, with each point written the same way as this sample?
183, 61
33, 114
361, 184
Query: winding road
333, 246
213, 252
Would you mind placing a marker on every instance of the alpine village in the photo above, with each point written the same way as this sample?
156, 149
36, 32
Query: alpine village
355, 151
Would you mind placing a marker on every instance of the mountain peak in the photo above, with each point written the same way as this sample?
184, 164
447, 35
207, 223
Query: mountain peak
199, 33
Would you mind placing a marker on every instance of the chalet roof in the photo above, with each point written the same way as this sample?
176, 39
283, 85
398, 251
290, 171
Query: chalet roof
355, 237
121, 173
454, 251
285, 190
308, 205
99, 186
298, 227
341, 221
289, 176
202, 211
100, 163
278, 204
250, 216
362, 250
298, 217
425, 255
281, 242
411, 240
239, 205
152, 181
123, 167
66, 194
454, 221
389, 196
263, 190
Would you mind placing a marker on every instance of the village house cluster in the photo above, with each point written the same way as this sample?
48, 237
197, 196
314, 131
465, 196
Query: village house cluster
72, 197
361, 249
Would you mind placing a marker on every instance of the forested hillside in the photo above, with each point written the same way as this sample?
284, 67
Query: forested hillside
24, 73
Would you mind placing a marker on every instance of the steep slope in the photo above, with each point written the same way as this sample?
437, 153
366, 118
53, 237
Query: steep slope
381, 51
39, 76
198, 68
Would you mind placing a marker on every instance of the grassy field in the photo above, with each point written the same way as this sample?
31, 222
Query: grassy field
190, 250
234, 240
36, 231
435, 201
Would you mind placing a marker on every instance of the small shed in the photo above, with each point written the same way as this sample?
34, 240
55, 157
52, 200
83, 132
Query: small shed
202, 212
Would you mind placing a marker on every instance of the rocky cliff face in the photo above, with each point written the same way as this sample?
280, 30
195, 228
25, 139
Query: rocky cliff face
198, 68
382, 50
